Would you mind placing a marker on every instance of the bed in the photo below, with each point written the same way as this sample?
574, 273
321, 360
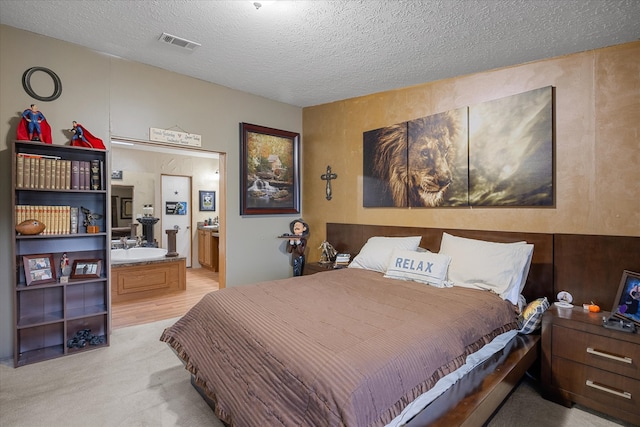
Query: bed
353, 347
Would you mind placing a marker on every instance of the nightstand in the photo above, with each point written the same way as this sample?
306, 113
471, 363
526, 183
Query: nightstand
585, 363
316, 267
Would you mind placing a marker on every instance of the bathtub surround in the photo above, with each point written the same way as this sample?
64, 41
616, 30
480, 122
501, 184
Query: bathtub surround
147, 278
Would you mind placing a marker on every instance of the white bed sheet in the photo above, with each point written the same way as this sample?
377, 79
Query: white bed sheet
473, 360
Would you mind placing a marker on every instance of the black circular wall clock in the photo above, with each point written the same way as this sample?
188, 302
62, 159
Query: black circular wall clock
57, 84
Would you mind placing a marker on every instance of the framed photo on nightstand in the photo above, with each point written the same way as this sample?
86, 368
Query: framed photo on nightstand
627, 302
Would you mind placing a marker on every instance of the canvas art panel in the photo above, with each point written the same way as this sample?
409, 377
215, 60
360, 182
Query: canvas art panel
418, 163
511, 150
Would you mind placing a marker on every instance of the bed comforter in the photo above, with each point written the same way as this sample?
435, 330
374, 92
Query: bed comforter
342, 348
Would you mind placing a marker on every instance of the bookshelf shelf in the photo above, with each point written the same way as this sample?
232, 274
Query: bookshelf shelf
49, 312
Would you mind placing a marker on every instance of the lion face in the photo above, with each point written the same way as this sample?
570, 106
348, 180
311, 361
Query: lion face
414, 159
430, 153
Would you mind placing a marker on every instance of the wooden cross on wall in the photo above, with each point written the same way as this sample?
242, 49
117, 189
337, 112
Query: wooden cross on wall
328, 176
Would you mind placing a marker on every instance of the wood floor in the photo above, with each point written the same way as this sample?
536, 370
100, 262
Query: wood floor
200, 281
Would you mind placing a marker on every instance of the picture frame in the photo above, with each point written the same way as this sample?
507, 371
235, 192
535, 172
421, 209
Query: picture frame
39, 269
126, 208
86, 269
175, 208
626, 305
269, 171
207, 200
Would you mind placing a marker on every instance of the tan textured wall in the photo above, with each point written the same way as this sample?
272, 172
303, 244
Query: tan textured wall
597, 147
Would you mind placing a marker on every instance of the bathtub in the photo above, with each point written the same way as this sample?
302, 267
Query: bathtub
139, 273
126, 256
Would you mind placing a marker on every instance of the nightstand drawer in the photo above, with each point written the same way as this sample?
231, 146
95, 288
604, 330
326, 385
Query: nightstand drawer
614, 391
621, 357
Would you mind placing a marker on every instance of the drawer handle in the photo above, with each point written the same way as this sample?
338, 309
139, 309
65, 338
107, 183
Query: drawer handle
624, 359
624, 394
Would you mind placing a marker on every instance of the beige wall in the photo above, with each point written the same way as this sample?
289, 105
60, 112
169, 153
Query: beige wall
114, 97
597, 148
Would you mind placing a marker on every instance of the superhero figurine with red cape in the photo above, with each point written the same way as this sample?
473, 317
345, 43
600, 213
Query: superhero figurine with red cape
83, 138
33, 126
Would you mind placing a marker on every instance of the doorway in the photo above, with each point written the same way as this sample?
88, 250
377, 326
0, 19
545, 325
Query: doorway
176, 212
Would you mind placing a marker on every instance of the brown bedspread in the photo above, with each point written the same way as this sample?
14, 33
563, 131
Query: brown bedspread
341, 348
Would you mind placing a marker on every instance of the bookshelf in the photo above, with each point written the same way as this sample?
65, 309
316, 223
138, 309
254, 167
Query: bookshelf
59, 312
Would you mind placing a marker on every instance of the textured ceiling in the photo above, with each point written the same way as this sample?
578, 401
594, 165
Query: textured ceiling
312, 52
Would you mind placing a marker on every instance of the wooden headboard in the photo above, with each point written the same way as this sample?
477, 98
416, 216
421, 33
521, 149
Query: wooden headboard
587, 266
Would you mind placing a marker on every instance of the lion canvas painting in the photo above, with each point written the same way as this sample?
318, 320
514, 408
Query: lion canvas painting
419, 163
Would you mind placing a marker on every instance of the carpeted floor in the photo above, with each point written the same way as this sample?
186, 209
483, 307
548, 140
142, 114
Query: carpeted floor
138, 381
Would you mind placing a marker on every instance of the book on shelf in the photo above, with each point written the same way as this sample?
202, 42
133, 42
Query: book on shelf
81, 181
19, 172
75, 174
73, 219
66, 174
96, 179
41, 173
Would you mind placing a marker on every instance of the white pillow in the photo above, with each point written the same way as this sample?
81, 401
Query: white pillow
375, 254
423, 267
499, 267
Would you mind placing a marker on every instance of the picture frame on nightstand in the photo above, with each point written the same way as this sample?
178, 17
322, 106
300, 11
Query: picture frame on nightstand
627, 302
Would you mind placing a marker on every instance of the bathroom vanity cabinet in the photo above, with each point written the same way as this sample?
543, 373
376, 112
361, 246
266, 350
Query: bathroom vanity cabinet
60, 308
208, 248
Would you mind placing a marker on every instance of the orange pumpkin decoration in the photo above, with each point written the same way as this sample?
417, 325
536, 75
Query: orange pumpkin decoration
30, 227
593, 308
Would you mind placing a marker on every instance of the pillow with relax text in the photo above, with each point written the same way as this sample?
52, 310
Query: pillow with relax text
423, 267
375, 254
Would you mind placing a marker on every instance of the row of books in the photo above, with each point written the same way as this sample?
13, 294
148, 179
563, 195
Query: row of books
53, 173
57, 219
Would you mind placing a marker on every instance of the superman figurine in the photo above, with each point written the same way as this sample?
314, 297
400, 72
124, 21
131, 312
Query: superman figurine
83, 138
33, 126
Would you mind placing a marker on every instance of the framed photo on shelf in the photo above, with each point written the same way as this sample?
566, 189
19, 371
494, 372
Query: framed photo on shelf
627, 302
86, 269
207, 200
39, 269
269, 171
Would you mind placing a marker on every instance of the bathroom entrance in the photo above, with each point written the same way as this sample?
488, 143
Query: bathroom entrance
176, 213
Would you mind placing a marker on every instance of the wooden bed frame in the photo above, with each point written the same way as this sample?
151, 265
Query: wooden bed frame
588, 266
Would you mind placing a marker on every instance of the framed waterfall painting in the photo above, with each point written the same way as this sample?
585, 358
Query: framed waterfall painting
269, 171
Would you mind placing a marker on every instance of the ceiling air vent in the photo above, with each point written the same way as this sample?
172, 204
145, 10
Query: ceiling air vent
177, 41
